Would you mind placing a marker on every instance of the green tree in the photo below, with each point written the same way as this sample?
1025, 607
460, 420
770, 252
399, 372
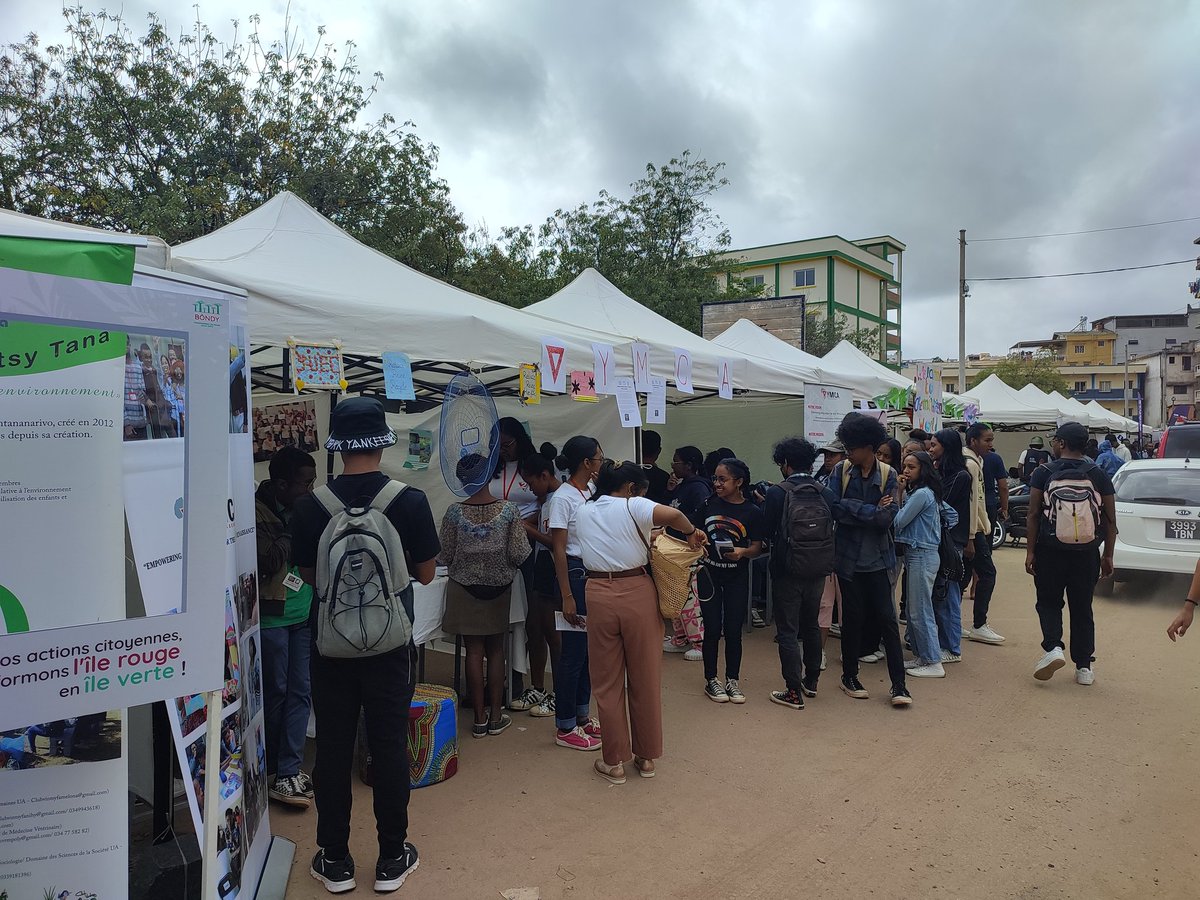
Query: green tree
822, 333
178, 136
1016, 371
660, 245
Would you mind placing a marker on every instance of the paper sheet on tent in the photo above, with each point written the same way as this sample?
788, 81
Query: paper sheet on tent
656, 402
627, 403
398, 376
582, 386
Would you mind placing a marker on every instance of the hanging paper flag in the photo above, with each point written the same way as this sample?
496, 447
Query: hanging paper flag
530, 384
683, 371
641, 367
582, 386
554, 369
656, 402
725, 379
627, 403
397, 376
603, 367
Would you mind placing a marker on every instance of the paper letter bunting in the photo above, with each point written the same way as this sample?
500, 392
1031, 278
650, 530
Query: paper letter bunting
641, 367
554, 372
725, 379
683, 372
603, 367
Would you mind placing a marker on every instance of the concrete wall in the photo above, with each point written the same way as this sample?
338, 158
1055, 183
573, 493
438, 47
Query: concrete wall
780, 317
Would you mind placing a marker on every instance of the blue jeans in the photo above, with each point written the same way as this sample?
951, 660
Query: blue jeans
573, 690
948, 613
287, 695
920, 570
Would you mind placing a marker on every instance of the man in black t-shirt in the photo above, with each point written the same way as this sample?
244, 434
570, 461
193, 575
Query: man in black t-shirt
651, 451
1059, 568
381, 686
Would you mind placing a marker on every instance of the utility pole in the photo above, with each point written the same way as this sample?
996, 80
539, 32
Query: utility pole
962, 311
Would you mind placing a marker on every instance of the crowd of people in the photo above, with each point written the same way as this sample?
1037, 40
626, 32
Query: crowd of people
854, 530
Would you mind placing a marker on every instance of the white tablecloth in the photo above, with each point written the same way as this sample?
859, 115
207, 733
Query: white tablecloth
429, 605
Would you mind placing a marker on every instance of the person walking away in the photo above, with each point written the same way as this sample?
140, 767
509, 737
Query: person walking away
483, 547
624, 625
658, 478
381, 684
1032, 457
544, 642
1072, 531
1181, 623
865, 506
798, 524
977, 557
582, 458
1108, 460
285, 634
919, 527
957, 492
734, 526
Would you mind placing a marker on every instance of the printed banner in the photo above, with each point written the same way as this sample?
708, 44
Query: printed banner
683, 371
603, 367
824, 409
554, 366
398, 376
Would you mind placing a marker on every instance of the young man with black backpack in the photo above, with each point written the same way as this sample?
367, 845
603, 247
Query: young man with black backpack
1072, 514
364, 532
799, 526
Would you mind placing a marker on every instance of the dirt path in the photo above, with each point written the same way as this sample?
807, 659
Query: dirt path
991, 785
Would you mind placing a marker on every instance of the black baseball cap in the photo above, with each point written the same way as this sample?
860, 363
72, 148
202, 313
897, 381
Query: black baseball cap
359, 423
1072, 433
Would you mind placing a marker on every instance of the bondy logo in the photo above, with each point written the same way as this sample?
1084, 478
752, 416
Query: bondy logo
208, 314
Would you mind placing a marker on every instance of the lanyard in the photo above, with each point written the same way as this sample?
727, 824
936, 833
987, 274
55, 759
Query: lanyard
505, 482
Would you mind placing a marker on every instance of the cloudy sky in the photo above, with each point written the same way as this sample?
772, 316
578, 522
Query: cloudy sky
850, 117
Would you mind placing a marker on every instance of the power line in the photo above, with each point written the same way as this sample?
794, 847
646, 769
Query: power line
1072, 274
1029, 237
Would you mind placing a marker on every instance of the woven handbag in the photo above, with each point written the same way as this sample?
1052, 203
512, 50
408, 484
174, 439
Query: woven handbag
671, 562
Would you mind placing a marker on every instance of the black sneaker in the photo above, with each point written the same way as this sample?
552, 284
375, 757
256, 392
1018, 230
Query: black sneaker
390, 873
787, 698
901, 697
305, 783
288, 790
336, 874
852, 687
809, 687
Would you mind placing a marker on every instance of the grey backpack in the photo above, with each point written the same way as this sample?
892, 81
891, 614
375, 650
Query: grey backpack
361, 573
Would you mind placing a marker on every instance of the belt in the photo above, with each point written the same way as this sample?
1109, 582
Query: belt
627, 573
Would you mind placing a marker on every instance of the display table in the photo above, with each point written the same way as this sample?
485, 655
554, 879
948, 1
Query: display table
429, 605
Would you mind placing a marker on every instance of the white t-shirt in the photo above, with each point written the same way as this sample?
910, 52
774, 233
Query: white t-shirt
608, 537
561, 510
509, 485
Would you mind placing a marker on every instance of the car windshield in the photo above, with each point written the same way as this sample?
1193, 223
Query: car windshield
1182, 441
1180, 487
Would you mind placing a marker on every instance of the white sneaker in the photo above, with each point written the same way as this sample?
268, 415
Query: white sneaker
913, 663
1085, 676
670, 646
1049, 664
985, 635
694, 655
948, 657
528, 700
872, 657
822, 660
933, 670
545, 708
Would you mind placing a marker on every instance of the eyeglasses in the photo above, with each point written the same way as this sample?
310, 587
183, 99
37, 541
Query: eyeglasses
721, 479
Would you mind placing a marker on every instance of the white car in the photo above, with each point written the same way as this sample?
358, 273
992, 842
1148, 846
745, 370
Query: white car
1158, 517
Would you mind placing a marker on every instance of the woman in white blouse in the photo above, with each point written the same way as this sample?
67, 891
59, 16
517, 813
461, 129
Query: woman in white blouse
624, 624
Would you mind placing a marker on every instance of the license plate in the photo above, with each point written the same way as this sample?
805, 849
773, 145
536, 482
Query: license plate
1182, 531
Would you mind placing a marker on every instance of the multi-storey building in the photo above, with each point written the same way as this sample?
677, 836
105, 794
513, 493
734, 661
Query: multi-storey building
857, 281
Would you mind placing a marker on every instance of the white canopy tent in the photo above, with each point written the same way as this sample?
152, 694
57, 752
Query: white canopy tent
744, 336
846, 357
1116, 421
592, 301
1004, 405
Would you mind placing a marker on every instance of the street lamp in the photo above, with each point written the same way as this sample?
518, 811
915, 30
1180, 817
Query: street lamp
1125, 386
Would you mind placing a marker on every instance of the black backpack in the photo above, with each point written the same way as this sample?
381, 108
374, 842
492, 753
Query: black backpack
949, 558
806, 530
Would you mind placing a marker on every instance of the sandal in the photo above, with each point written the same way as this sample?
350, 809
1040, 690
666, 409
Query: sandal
612, 774
645, 767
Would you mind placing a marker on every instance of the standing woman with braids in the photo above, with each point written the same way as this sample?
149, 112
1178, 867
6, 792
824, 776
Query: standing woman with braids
581, 457
957, 491
624, 625
734, 526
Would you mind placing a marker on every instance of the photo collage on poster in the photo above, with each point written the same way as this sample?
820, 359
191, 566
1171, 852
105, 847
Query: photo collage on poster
155, 395
285, 425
